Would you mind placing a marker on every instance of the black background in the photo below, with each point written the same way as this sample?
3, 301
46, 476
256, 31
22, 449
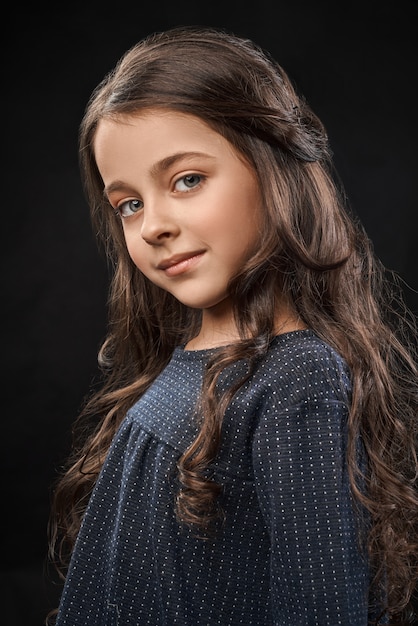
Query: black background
356, 65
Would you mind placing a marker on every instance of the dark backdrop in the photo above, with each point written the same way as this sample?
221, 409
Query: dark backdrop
357, 67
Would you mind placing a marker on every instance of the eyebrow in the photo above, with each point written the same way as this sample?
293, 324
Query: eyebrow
159, 168
163, 165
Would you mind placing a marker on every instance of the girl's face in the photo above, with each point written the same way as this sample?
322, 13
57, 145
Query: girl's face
189, 204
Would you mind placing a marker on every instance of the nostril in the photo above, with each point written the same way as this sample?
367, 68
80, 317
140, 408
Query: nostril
155, 238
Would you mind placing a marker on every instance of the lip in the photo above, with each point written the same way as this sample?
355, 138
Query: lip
180, 263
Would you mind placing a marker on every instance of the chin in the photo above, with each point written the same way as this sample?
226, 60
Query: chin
205, 304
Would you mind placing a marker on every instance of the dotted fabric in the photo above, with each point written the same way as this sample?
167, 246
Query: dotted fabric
287, 554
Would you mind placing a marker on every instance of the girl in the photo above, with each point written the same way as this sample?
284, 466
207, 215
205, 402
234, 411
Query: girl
250, 458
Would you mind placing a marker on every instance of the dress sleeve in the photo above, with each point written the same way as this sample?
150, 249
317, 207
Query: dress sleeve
319, 575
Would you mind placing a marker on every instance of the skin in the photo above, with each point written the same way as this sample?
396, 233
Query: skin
189, 206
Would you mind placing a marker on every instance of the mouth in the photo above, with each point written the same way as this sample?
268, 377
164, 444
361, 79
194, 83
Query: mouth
180, 263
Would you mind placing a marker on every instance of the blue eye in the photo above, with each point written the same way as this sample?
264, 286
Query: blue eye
130, 207
185, 183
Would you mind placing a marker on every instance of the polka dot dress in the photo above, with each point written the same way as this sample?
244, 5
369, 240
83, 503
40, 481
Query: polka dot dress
288, 552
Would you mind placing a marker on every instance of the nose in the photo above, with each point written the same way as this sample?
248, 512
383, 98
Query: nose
158, 223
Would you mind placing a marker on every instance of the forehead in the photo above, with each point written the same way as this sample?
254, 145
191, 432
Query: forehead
153, 134
152, 123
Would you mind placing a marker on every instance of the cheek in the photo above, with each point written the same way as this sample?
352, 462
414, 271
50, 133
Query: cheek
135, 251
138, 260
244, 220
234, 212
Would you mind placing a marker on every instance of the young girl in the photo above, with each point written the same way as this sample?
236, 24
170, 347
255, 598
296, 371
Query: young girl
250, 458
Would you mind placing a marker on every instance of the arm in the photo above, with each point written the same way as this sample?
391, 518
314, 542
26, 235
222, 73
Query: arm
318, 575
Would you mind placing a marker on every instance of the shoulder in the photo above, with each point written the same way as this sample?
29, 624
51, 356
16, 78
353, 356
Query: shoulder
300, 366
301, 349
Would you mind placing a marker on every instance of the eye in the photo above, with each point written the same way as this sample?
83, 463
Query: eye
185, 183
130, 207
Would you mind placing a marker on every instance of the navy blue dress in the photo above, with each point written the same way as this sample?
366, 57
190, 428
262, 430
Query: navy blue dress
288, 553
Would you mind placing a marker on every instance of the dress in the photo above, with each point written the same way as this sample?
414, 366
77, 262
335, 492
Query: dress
288, 552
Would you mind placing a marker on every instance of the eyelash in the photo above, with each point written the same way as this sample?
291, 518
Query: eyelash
119, 208
192, 175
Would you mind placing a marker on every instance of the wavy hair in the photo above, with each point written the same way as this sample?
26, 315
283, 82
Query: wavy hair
312, 249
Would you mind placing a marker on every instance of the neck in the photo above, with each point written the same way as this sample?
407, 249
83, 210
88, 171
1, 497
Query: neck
218, 327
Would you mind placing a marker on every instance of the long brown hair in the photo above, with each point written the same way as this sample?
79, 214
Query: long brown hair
312, 249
